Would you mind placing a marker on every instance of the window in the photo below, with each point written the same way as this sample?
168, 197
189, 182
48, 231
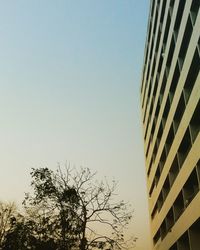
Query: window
179, 14
183, 242
194, 10
194, 232
194, 123
178, 206
186, 39
179, 112
184, 147
191, 187
174, 170
192, 74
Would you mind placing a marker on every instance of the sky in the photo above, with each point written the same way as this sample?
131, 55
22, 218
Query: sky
70, 75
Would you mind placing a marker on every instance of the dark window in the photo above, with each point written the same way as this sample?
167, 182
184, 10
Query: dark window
174, 170
170, 138
155, 85
163, 11
155, 210
194, 123
192, 74
183, 242
194, 10
160, 64
156, 237
194, 232
184, 147
167, 108
160, 201
191, 187
178, 206
166, 188
174, 247
198, 171
179, 14
175, 79
169, 220
179, 112
186, 39
163, 230
164, 81
155, 21
167, 29
150, 166
171, 52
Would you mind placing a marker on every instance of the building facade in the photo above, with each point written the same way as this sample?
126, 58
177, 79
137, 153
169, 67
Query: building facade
170, 100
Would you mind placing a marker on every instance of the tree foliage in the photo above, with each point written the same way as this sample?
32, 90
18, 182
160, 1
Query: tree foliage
7, 212
69, 210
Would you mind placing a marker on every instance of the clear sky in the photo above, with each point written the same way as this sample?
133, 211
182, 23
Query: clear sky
70, 75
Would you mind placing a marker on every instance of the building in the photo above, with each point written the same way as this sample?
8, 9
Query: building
170, 100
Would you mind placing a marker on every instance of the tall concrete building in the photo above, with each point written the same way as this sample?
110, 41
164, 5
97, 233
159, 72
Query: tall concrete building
170, 100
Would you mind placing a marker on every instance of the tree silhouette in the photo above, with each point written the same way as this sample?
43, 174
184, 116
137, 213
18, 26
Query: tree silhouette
23, 234
82, 212
7, 212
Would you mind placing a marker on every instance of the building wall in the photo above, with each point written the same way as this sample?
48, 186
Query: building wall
170, 100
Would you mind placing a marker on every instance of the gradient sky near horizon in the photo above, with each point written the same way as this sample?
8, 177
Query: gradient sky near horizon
70, 74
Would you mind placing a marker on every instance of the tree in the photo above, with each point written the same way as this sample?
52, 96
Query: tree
7, 212
83, 211
24, 234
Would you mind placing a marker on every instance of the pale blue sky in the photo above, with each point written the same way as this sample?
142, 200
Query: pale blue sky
69, 90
